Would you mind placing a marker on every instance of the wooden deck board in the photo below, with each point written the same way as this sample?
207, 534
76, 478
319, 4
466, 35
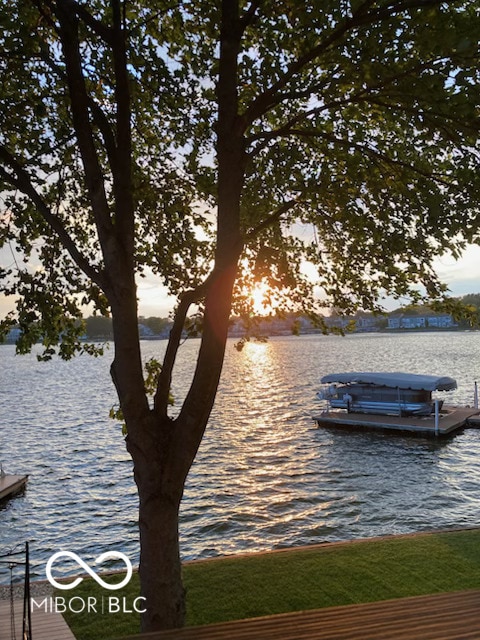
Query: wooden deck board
447, 616
10, 484
452, 419
45, 625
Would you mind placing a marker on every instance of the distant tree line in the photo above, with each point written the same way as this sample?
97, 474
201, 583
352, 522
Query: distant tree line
466, 312
471, 299
100, 327
468, 300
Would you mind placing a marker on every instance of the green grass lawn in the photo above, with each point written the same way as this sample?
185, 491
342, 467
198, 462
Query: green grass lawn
262, 584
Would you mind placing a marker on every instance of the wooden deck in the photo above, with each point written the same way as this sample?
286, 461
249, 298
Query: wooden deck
45, 626
9, 485
448, 616
451, 419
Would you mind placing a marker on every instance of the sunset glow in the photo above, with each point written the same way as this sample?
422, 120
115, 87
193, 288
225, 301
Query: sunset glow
261, 298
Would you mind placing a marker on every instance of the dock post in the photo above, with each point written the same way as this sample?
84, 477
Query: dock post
437, 417
475, 396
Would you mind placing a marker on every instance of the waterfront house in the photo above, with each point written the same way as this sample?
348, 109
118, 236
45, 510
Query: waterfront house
403, 321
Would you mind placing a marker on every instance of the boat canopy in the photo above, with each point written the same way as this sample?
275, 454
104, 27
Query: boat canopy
395, 380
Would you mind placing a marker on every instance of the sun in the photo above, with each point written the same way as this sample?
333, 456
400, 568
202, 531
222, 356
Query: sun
261, 299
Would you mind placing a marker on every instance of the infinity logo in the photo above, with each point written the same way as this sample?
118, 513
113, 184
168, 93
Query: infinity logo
84, 565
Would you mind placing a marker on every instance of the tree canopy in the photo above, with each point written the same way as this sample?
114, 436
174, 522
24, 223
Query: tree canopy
359, 128
213, 145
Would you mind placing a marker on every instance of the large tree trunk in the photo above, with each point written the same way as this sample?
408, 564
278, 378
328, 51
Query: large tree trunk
160, 566
162, 449
159, 475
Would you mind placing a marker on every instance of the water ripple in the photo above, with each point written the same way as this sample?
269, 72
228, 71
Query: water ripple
265, 476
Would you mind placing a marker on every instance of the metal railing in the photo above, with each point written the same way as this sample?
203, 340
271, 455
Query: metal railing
12, 559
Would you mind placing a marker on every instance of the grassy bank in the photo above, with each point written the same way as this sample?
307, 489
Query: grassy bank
262, 584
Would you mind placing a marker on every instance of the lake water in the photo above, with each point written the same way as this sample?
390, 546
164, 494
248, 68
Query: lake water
265, 477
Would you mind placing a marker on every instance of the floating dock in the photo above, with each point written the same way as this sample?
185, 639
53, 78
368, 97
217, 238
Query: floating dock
10, 485
450, 420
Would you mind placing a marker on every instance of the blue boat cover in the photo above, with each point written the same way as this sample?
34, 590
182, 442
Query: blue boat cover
395, 380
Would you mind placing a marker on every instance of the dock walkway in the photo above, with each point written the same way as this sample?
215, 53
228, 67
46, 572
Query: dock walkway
451, 419
45, 625
446, 616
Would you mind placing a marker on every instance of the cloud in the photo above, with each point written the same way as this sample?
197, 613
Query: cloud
463, 275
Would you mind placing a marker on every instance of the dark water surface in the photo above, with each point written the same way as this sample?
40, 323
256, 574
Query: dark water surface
265, 476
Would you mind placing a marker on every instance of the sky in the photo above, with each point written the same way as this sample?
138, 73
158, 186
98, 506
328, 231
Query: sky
462, 277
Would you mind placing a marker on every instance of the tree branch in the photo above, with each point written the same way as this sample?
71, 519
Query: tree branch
99, 116
21, 180
367, 95
249, 14
122, 175
101, 30
45, 14
362, 95
394, 8
431, 115
165, 377
270, 97
79, 100
360, 18
373, 153
272, 218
